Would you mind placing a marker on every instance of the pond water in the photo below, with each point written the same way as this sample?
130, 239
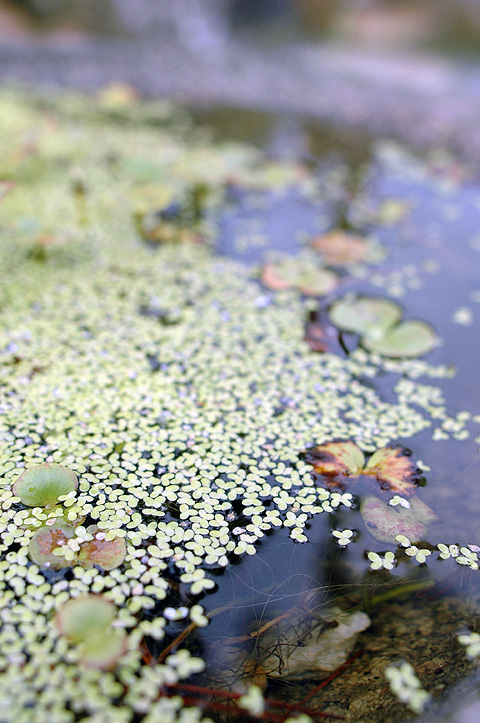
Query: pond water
432, 266
145, 347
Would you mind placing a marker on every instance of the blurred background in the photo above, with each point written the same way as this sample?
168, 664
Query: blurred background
207, 23
407, 69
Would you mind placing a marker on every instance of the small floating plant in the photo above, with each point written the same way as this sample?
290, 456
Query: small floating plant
57, 543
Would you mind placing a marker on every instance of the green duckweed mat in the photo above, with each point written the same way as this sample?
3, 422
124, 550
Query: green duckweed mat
183, 393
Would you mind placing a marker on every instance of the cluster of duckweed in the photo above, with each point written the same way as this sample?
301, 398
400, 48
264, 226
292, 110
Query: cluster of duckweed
406, 686
180, 394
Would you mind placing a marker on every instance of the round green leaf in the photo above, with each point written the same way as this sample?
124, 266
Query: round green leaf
85, 617
45, 540
316, 282
366, 315
104, 650
42, 485
410, 339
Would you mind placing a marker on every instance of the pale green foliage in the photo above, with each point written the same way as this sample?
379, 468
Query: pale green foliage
142, 372
407, 687
472, 643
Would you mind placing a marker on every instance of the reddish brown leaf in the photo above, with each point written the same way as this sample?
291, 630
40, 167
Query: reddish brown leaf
394, 471
336, 459
274, 280
385, 522
47, 539
108, 554
340, 248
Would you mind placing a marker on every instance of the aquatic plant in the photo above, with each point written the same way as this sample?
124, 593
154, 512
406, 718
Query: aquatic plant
295, 273
339, 248
406, 686
62, 545
342, 463
472, 643
87, 622
46, 541
42, 485
385, 522
377, 562
377, 321
187, 438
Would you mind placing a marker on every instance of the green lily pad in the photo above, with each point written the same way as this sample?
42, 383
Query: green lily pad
294, 273
409, 339
394, 470
85, 617
103, 650
337, 458
45, 540
316, 282
385, 522
369, 316
41, 486
108, 554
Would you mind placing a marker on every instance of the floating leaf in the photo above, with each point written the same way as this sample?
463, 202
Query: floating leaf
85, 617
87, 620
341, 249
274, 278
366, 315
316, 282
385, 522
337, 458
47, 539
394, 470
409, 339
104, 649
108, 554
41, 486
299, 274
377, 321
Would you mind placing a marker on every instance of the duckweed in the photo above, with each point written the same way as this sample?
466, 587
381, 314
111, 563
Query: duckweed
179, 395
